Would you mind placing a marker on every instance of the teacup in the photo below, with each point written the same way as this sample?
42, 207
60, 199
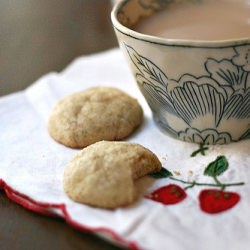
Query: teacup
198, 90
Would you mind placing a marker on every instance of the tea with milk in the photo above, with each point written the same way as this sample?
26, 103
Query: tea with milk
200, 20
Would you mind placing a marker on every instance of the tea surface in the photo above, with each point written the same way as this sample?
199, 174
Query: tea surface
201, 20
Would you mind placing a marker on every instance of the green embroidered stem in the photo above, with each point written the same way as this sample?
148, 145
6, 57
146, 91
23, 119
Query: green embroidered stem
201, 150
214, 169
217, 181
190, 186
194, 183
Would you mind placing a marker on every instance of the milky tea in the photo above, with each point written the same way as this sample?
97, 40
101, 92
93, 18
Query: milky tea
200, 20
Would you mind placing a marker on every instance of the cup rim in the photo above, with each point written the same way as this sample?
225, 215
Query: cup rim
171, 42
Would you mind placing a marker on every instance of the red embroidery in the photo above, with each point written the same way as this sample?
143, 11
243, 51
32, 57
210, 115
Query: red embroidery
211, 200
216, 201
44, 208
170, 194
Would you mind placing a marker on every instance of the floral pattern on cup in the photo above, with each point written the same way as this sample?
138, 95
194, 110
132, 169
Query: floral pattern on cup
203, 106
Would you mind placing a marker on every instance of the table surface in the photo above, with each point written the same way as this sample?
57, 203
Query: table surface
39, 37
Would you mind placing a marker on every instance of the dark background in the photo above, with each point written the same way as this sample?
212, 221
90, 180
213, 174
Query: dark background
37, 37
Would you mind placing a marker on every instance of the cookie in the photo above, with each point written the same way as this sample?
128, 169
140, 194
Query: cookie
100, 113
104, 174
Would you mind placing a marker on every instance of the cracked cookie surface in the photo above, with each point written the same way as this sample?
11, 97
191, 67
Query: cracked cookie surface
104, 174
95, 114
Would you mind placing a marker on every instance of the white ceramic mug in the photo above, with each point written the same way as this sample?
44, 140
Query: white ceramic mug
198, 91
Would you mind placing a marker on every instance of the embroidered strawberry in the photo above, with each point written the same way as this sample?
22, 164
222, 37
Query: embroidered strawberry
216, 201
211, 201
170, 194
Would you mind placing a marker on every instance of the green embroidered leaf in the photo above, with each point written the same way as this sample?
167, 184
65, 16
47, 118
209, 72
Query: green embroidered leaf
163, 173
217, 167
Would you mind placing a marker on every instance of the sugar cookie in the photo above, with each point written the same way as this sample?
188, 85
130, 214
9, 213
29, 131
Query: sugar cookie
104, 174
99, 113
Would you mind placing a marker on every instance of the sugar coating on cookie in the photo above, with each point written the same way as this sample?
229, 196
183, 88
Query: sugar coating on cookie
104, 174
99, 113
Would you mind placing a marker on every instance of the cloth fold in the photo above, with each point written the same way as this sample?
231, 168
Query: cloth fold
32, 164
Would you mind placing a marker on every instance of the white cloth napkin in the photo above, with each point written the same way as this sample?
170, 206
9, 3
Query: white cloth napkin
32, 164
